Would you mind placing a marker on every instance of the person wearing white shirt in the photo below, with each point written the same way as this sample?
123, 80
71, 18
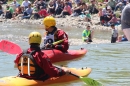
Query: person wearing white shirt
25, 3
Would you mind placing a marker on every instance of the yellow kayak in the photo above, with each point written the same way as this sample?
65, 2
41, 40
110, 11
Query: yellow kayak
18, 81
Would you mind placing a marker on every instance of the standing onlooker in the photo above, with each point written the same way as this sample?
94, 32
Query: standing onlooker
114, 36
125, 21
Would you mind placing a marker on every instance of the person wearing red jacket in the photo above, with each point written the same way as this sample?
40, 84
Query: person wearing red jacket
34, 64
54, 34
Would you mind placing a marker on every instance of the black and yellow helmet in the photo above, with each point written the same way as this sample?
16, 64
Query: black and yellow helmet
35, 37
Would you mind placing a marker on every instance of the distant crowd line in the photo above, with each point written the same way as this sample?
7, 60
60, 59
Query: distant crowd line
61, 8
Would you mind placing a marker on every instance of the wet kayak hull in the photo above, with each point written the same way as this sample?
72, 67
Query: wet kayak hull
58, 56
18, 81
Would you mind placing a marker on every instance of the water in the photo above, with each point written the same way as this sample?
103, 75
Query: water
109, 62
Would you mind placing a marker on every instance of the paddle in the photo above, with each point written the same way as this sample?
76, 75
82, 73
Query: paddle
10, 47
57, 42
13, 48
88, 81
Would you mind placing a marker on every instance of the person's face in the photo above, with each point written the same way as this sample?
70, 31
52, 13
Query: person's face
112, 27
88, 27
7, 7
92, 2
49, 29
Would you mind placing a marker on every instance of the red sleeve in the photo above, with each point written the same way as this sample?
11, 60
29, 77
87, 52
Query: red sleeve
18, 58
47, 66
62, 35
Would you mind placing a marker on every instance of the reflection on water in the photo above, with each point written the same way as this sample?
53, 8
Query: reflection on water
109, 62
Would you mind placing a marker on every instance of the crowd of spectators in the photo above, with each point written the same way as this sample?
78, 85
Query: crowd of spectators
41, 8
60, 8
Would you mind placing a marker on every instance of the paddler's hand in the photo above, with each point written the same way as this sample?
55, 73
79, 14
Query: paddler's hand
86, 39
66, 70
48, 45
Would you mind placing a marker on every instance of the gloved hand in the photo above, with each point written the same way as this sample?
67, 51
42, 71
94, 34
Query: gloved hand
86, 39
66, 70
48, 45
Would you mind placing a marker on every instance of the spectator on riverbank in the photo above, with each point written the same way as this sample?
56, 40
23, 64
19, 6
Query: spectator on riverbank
112, 4
25, 3
122, 38
87, 16
93, 9
43, 12
14, 4
114, 20
3, 1
51, 7
1, 10
114, 36
66, 10
8, 12
87, 34
77, 10
108, 15
35, 14
42, 4
119, 7
19, 11
28, 12
59, 6
69, 2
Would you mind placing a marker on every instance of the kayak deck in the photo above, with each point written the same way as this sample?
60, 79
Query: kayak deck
18, 81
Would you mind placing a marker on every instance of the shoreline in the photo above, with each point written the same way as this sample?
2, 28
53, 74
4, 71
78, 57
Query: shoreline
72, 22
69, 22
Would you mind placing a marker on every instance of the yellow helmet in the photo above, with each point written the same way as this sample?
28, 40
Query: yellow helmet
35, 37
49, 21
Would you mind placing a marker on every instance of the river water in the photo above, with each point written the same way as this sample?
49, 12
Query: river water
109, 62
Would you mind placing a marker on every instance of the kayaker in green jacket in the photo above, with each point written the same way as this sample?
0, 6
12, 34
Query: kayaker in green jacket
87, 35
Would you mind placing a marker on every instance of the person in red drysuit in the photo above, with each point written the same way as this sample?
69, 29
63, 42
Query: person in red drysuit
53, 34
34, 64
